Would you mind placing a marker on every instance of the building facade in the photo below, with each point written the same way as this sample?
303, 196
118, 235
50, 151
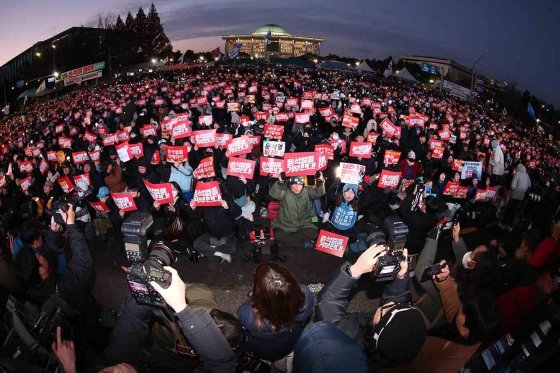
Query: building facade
282, 44
446, 68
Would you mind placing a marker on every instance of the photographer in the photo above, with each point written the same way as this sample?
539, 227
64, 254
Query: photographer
212, 342
396, 332
420, 220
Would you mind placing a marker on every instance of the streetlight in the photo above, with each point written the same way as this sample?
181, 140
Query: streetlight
171, 60
357, 63
53, 46
315, 60
431, 81
472, 69
154, 61
55, 74
38, 54
201, 58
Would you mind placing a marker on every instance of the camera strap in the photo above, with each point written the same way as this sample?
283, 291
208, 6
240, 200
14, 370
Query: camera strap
182, 346
397, 309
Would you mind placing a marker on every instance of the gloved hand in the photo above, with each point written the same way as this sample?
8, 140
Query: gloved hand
282, 177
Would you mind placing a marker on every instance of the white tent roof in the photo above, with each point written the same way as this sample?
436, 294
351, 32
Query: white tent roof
364, 68
405, 75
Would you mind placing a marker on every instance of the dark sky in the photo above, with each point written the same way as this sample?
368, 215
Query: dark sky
519, 35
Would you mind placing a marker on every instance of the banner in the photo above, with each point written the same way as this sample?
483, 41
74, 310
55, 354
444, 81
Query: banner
112, 139
372, 137
273, 131
207, 194
82, 178
298, 164
25, 183
360, 149
391, 157
100, 207
90, 137
238, 146
83, 78
65, 142
43, 166
204, 138
450, 189
25, 167
241, 167
351, 173
331, 243
205, 169
438, 152
457, 165
205, 120
274, 148
350, 121
389, 179
124, 201
162, 193
302, 118
435, 143
326, 112
95, 156
176, 153
82, 70
271, 166
281, 117
66, 184
232, 106
180, 130
389, 129
485, 195
471, 169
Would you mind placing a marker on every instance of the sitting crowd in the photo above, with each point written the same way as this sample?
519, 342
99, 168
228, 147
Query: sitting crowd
217, 155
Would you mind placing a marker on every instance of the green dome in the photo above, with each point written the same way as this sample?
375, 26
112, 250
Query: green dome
274, 29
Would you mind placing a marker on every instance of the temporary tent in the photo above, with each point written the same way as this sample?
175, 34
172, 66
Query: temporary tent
364, 68
405, 75
32, 92
335, 65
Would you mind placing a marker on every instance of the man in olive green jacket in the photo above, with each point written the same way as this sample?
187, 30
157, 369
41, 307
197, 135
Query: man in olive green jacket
293, 226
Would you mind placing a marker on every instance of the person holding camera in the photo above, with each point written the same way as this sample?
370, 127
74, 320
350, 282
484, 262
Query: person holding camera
396, 332
293, 226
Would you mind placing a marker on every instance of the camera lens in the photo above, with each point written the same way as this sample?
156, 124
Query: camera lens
377, 237
162, 254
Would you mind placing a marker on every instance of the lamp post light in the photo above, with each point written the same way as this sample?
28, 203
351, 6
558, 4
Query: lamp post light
154, 61
472, 69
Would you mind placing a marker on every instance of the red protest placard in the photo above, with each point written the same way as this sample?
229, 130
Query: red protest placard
273, 131
123, 135
205, 169
389, 179
389, 129
51, 156
271, 166
292, 101
438, 152
331, 243
391, 157
457, 165
95, 156
162, 193
351, 173
25, 167
339, 144
241, 167
254, 140
326, 112
82, 178
297, 164
222, 139
302, 118
124, 201
43, 166
207, 194
326, 149
205, 120
434, 143
462, 192
450, 188
110, 140
100, 207
372, 137
238, 146
180, 129
65, 142
123, 152
66, 184
90, 137
274, 148
281, 117
360, 149
204, 138
307, 105
176, 153
444, 135
25, 183
136, 150
80, 157
350, 121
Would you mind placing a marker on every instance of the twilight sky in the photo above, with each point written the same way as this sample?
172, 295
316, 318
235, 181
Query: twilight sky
520, 36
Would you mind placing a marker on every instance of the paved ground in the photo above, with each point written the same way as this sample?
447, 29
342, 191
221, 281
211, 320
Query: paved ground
232, 281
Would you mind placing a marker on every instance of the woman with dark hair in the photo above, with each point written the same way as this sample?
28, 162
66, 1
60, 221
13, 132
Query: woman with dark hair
277, 311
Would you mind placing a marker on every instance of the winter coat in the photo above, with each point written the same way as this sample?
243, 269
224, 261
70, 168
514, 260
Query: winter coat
344, 216
114, 180
520, 183
419, 224
497, 161
270, 345
182, 176
218, 222
295, 209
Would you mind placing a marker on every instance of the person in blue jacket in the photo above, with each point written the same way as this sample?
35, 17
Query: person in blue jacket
345, 215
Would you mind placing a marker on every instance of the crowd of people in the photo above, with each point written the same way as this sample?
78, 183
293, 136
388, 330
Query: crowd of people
226, 158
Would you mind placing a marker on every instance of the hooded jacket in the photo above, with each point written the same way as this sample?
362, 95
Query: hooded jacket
497, 160
520, 183
344, 216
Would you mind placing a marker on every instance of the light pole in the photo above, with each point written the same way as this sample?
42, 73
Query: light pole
472, 69
53, 57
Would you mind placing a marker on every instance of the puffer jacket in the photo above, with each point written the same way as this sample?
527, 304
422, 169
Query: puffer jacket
295, 209
344, 216
520, 183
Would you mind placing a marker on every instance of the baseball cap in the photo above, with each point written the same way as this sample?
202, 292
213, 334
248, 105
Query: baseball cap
295, 180
103, 191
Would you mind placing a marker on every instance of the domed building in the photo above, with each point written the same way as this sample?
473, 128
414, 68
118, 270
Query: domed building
281, 45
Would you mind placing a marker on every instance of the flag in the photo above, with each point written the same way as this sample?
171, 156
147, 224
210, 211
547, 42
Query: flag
504, 112
24, 100
180, 60
531, 111
42, 87
235, 51
165, 60
389, 70
268, 37
215, 52
140, 50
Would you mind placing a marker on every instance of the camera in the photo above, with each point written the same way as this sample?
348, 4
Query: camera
57, 207
139, 275
393, 235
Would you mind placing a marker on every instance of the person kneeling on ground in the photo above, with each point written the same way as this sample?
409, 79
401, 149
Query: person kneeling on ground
293, 226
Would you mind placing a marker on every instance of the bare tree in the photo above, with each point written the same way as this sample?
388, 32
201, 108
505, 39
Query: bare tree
107, 21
